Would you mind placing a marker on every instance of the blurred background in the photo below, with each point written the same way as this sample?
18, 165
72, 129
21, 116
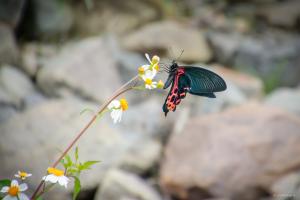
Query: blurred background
59, 57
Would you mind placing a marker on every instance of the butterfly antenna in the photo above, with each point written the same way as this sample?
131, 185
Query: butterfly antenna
180, 55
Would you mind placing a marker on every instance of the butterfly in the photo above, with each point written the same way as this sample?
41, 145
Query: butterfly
189, 79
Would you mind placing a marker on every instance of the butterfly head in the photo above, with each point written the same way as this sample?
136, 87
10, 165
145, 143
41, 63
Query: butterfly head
173, 67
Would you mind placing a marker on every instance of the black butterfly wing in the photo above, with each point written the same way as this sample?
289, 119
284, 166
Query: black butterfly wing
204, 82
195, 80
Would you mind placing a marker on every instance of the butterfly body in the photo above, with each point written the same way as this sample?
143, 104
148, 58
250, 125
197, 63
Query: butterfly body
193, 80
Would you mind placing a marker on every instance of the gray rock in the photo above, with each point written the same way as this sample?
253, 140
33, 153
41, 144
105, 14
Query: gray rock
105, 16
224, 45
274, 13
11, 11
140, 158
287, 186
119, 185
51, 18
242, 139
272, 56
29, 59
285, 98
53, 124
6, 112
148, 119
35, 55
161, 36
128, 62
8, 49
86, 69
15, 86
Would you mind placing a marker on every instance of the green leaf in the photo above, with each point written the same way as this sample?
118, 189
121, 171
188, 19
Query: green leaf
77, 187
87, 165
4, 182
39, 198
76, 154
69, 161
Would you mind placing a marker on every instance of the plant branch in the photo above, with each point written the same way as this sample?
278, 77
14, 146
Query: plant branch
126, 87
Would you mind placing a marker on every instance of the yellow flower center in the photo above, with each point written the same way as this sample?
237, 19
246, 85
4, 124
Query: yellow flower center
156, 67
141, 70
148, 81
13, 191
124, 104
55, 171
23, 175
160, 84
155, 59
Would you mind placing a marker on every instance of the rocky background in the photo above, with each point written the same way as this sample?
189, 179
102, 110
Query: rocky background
59, 57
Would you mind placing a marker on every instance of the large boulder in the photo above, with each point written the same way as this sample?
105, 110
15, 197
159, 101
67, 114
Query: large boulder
237, 154
166, 35
86, 69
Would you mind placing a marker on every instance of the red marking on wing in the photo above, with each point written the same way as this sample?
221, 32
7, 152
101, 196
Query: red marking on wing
174, 96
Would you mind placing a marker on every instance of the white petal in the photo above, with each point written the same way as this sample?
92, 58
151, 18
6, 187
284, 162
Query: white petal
146, 67
118, 116
114, 104
23, 196
150, 74
114, 114
51, 178
17, 175
148, 57
4, 189
63, 181
8, 197
28, 175
14, 183
23, 187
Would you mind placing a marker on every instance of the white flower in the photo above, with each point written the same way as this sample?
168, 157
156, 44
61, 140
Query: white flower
56, 176
15, 191
22, 175
117, 108
149, 83
153, 68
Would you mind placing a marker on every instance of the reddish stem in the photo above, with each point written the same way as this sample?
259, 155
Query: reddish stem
122, 90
